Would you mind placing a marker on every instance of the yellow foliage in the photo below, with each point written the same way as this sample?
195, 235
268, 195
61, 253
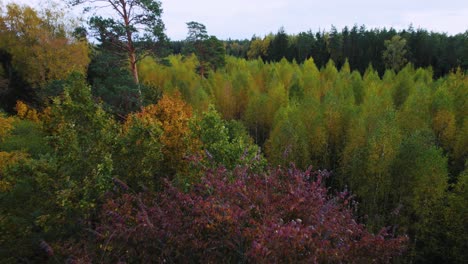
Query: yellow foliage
444, 126
25, 112
39, 45
173, 115
46, 115
6, 125
180, 76
8, 159
259, 48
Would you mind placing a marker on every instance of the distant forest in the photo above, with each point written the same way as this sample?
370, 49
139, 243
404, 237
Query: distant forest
359, 45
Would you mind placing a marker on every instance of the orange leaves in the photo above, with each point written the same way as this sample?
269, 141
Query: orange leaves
172, 114
26, 112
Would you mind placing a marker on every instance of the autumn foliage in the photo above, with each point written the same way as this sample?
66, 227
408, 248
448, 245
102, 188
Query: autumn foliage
173, 115
41, 48
156, 142
282, 216
23, 111
213, 167
6, 125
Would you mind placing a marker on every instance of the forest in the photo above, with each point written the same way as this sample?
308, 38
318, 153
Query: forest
119, 145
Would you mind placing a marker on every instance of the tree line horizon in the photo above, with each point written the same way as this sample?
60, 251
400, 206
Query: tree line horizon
425, 48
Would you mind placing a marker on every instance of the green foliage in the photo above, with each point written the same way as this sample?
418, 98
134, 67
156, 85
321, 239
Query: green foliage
289, 140
361, 46
455, 216
196, 32
394, 53
50, 198
26, 136
208, 49
415, 113
304, 42
278, 45
180, 76
215, 53
134, 31
421, 185
111, 81
82, 135
335, 46
403, 83
30, 212
227, 143
138, 153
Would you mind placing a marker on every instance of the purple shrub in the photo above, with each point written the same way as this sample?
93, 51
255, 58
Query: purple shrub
285, 215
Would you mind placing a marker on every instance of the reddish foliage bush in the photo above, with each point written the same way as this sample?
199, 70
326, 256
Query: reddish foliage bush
281, 216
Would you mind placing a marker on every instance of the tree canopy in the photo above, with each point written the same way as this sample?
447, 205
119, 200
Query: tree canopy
321, 147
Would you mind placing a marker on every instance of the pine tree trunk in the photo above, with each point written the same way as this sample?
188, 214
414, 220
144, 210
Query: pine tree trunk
131, 50
134, 67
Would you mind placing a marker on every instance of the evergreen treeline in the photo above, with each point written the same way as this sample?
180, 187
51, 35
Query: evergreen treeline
202, 157
359, 45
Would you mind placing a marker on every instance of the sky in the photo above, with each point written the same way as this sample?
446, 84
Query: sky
241, 19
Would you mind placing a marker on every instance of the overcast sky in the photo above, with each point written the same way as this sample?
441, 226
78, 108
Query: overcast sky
239, 19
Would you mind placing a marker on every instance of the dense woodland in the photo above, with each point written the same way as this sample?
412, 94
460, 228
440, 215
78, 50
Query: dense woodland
333, 147
360, 46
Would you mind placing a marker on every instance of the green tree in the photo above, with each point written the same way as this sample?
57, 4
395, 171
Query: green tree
372, 144
419, 177
304, 44
394, 53
112, 83
208, 49
155, 143
335, 46
403, 85
29, 209
138, 152
196, 32
456, 214
51, 197
124, 31
227, 143
311, 78
415, 113
278, 46
82, 136
259, 47
288, 141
